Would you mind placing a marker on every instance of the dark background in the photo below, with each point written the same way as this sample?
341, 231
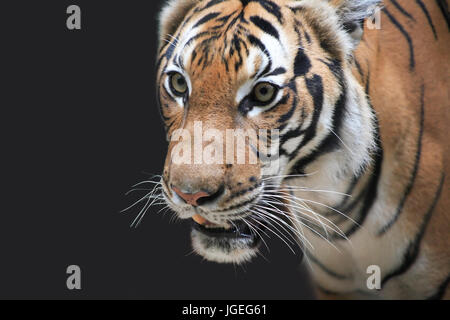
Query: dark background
79, 127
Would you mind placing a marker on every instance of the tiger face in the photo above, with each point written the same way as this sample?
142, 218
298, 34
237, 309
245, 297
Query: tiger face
256, 65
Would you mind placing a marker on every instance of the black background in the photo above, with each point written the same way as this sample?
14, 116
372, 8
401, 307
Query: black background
79, 127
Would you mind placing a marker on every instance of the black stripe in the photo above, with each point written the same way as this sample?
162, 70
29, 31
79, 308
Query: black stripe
328, 271
372, 189
168, 55
209, 5
193, 56
168, 94
159, 61
367, 87
256, 42
331, 142
302, 64
444, 9
412, 179
283, 100
351, 187
358, 67
198, 35
350, 27
187, 19
276, 72
239, 17
315, 89
236, 47
244, 45
177, 61
206, 42
327, 43
427, 14
297, 9
412, 252
440, 292
265, 26
160, 107
225, 19
282, 127
352, 205
199, 62
344, 206
270, 7
206, 18
335, 67
403, 11
288, 115
412, 62
291, 134
308, 37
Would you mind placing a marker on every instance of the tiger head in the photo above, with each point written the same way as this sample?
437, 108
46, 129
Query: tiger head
257, 65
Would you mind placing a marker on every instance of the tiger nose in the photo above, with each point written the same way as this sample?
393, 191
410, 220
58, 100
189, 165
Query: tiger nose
198, 198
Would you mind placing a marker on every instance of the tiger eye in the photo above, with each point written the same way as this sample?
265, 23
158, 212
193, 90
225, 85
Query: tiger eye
264, 92
178, 84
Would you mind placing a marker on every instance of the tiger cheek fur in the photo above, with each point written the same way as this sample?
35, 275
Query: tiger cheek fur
341, 179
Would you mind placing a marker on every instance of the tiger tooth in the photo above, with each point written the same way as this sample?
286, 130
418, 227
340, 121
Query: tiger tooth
200, 220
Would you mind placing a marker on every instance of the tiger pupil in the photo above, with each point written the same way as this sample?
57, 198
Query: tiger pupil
264, 91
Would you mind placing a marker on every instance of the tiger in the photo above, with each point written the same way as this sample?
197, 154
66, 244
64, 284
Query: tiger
362, 118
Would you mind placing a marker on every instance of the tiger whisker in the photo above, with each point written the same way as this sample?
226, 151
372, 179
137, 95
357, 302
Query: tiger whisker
303, 207
279, 211
258, 213
253, 229
276, 220
342, 141
291, 218
317, 221
268, 228
298, 237
147, 181
314, 231
270, 203
290, 176
264, 208
318, 203
318, 217
148, 195
141, 213
295, 188
137, 189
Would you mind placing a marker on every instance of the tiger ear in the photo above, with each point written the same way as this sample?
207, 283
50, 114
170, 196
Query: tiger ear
171, 16
353, 13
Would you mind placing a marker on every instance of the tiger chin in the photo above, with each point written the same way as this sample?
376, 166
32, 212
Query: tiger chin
360, 148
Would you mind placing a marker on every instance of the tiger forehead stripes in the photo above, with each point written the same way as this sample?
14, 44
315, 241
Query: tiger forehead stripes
358, 118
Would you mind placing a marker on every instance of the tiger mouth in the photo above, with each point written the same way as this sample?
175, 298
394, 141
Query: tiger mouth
235, 241
238, 229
